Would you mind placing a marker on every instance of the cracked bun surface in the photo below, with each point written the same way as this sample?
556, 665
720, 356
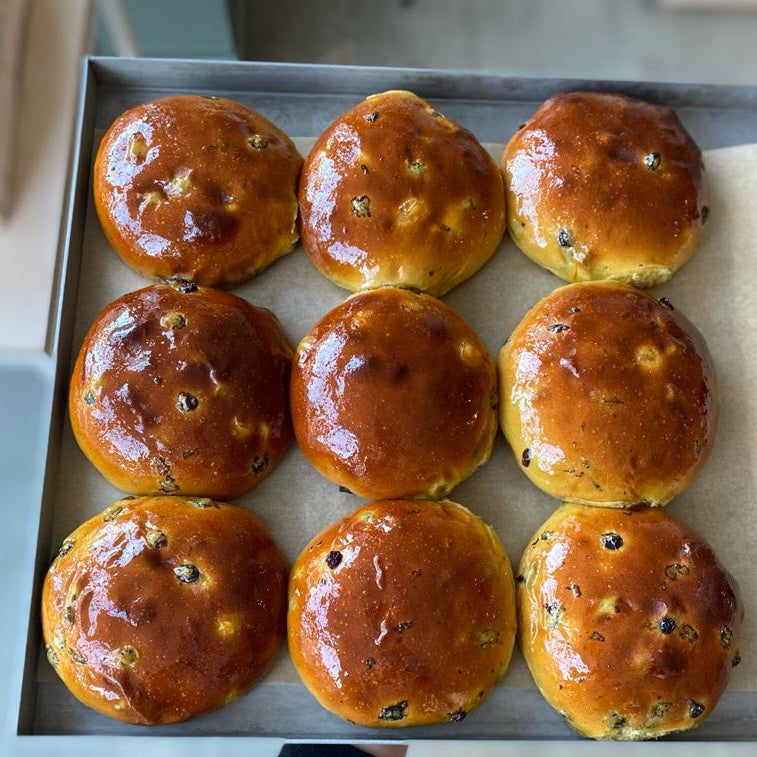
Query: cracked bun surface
394, 193
605, 186
402, 614
179, 389
393, 395
161, 608
608, 396
196, 187
628, 622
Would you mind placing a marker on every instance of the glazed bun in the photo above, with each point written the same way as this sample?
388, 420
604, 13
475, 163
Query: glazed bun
402, 614
182, 389
394, 193
608, 396
627, 621
394, 395
161, 608
199, 188
603, 186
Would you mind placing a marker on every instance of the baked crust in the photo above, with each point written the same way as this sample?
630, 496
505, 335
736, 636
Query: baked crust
628, 623
393, 193
161, 608
605, 186
195, 187
609, 396
402, 614
182, 389
393, 395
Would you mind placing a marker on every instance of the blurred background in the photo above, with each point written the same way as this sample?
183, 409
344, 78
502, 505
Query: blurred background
675, 40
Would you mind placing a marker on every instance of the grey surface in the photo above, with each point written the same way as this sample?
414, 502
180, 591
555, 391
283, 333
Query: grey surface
25, 395
308, 104
636, 39
628, 39
173, 29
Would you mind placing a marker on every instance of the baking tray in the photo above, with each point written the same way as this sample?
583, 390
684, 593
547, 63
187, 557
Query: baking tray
303, 100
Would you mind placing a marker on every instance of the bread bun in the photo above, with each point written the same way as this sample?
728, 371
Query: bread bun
161, 608
603, 186
608, 396
394, 193
393, 395
402, 614
627, 621
182, 389
199, 188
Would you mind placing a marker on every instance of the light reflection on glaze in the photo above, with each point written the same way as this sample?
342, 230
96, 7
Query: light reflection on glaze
568, 660
379, 572
547, 455
556, 556
154, 244
323, 193
318, 605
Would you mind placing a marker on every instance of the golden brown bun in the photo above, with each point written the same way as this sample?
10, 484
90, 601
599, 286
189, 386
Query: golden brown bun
182, 389
393, 395
604, 186
161, 608
627, 621
199, 188
402, 614
394, 193
609, 396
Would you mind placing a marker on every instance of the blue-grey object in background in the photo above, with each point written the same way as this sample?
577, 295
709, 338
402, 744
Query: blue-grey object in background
172, 29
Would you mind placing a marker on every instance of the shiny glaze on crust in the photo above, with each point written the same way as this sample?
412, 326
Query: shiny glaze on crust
402, 614
200, 188
393, 395
394, 193
132, 639
182, 392
631, 642
603, 186
608, 396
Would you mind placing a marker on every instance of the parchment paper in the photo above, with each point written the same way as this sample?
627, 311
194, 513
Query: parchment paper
716, 290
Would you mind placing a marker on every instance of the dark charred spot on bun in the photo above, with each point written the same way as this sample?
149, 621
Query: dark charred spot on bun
564, 238
182, 285
259, 463
652, 161
612, 541
666, 625
186, 402
333, 559
394, 711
